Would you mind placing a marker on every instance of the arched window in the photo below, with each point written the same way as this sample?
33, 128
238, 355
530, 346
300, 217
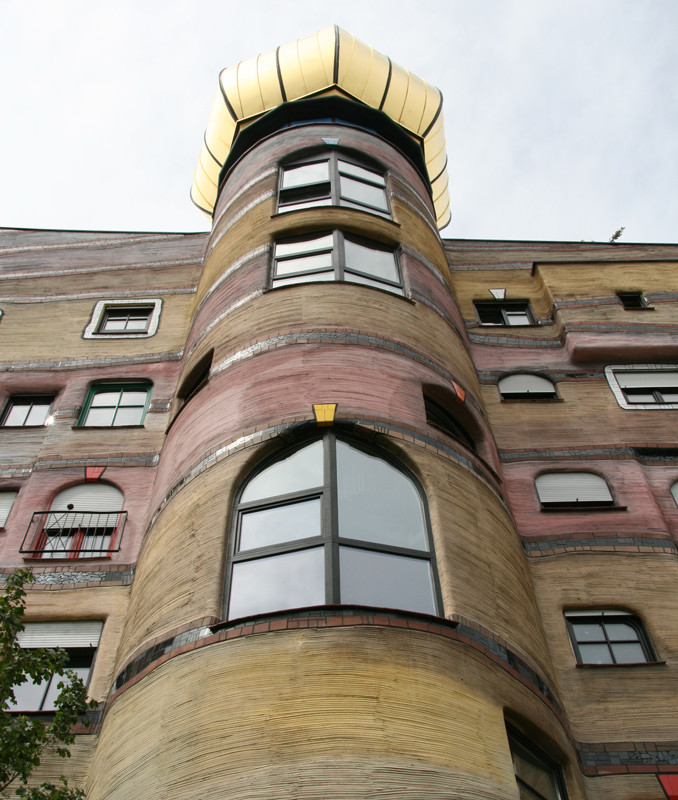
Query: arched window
524, 386
573, 489
330, 523
84, 521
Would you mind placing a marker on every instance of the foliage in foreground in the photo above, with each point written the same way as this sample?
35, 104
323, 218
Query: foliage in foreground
24, 739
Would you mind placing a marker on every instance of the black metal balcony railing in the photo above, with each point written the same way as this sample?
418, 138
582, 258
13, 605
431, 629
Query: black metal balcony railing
74, 534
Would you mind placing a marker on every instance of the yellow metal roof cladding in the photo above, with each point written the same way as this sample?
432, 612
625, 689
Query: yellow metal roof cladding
326, 60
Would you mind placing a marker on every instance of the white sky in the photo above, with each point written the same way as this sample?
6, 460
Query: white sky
561, 116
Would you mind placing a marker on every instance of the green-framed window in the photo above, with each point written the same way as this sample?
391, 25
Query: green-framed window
115, 405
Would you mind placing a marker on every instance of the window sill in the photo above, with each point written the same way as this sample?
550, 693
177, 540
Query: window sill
533, 398
21, 427
633, 665
371, 214
643, 308
582, 507
105, 427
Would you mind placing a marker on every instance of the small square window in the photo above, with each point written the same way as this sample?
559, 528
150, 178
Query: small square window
632, 300
110, 405
608, 637
514, 313
26, 411
124, 319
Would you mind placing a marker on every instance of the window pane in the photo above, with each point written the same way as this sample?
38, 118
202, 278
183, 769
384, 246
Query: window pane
280, 524
57, 546
306, 246
590, 632
53, 691
105, 399
631, 653
621, 632
95, 544
312, 277
312, 263
363, 193
37, 415
347, 168
137, 324
640, 397
133, 398
377, 503
128, 416
517, 318
380, 263
100, 416
28, 696
114, 324
669, 396
535, 781
307, 173
324, 201
16, 416
386, 580
595, 654
291, 580
301, 470
351, 277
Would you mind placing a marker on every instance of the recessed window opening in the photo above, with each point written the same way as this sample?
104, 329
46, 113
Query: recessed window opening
124, 319
538, 776
80, 639
632, 300
573, 489
84, 521
330, 523
336, 257
25, 411
196, 379
332, 179
508, 313
7, 498
644, 388
524, 386
608, 637
443, 419
115, 405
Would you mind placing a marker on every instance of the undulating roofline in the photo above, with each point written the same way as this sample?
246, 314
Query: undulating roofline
330, 59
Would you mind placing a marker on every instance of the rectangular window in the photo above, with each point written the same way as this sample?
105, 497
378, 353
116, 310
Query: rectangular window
124, 319
6, 502
608, 637
573, 490
115, 405
514, 313
80, 640
332, 180
336, 257
538, 776
644, 387
26, 411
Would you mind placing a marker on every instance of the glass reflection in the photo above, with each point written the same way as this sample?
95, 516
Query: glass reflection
280, 524
290, 580
377, 503
382, 579
380, 263
302, 470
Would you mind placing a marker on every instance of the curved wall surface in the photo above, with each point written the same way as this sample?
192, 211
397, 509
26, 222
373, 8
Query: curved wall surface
363, 697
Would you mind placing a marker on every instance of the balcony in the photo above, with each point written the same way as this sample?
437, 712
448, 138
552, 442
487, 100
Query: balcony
74, 534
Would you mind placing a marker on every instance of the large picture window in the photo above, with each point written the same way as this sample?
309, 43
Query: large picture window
336, 257
332, 180
330, 523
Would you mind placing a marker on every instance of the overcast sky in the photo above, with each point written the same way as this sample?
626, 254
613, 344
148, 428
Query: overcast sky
561, 116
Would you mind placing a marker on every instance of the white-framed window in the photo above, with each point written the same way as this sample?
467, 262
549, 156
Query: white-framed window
573, 490
124, 319
332, 179
7, 499
80, 639
644, 386
524, 386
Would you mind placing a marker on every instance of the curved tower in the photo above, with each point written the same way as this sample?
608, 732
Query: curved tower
331, 599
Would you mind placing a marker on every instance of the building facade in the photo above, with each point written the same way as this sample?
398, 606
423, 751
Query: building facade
324, 505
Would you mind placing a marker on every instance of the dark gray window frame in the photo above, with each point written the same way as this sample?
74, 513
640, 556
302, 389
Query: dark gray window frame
600, 617
316, 193
338, 259
329, 538
502, 309
529, 751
